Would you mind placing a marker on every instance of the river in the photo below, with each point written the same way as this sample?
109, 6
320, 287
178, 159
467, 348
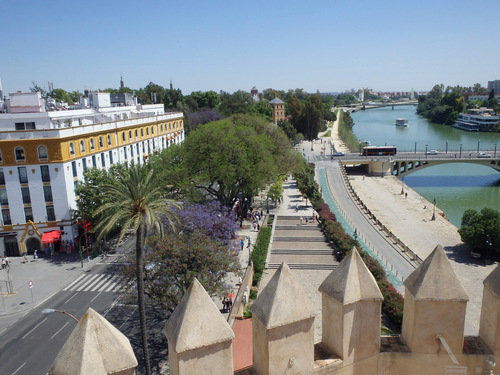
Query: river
456, 187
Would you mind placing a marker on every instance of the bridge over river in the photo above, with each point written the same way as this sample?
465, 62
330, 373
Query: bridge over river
405, 163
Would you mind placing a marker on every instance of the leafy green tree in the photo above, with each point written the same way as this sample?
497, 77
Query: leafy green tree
296, 108
299, 93
147, 94
61, 96
36, 88
88, 193
225, 161
270, 94
436, 92
134, 201
439, 107
276, 191
288, 129
173, 98
207, 99
263, 109
238, 102
313, 116
478, 88
481, 230
282, 154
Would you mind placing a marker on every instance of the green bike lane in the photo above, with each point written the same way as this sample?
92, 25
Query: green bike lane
330, 200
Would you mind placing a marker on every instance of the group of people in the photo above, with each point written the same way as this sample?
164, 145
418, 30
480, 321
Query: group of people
5, 262
227, 304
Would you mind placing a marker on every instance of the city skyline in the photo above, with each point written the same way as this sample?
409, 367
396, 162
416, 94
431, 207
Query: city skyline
330, 47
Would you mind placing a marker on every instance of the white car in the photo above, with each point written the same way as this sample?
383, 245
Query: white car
432, 152
483, 155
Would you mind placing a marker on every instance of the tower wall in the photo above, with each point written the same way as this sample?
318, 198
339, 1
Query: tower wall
489, 327
352, 331
423, 320
285, 349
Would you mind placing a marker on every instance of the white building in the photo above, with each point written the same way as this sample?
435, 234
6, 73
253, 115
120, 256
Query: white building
44, 153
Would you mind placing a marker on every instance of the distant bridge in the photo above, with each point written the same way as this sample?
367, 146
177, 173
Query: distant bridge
405, 163
371, 105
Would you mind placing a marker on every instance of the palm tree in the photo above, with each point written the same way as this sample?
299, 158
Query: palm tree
134, 201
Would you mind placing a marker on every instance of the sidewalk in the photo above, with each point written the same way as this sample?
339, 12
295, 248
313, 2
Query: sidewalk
47, 275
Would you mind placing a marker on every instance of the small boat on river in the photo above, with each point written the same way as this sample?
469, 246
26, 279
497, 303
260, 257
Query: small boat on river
401, 122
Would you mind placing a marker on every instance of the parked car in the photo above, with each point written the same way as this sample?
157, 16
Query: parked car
432, 152
339, 154
483, 155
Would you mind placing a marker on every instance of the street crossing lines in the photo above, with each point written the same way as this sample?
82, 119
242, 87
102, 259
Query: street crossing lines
95, 283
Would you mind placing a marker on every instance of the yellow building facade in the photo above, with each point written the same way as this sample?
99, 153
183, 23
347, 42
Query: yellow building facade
43, 155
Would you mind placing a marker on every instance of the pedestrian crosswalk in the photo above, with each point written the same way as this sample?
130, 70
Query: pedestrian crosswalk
95, 283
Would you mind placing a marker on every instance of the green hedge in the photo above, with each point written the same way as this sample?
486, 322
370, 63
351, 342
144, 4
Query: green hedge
259, 253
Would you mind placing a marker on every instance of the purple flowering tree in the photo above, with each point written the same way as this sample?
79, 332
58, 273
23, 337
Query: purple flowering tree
203, 245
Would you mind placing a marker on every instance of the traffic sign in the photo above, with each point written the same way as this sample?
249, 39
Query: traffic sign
30, 284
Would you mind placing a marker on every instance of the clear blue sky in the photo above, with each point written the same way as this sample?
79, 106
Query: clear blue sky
230, 45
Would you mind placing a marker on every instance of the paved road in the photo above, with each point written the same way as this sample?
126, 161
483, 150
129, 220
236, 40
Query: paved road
30, 346
366, 231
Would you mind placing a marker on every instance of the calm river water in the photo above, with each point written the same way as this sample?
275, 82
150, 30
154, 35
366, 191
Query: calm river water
456, 187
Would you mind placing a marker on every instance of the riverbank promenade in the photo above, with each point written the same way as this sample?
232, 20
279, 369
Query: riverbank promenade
408, 216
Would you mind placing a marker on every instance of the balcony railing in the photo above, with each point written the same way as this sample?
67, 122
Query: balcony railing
86, 129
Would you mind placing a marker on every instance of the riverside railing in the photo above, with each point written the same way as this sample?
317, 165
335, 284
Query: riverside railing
404, 249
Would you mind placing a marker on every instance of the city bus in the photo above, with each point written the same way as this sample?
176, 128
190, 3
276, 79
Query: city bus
374, 150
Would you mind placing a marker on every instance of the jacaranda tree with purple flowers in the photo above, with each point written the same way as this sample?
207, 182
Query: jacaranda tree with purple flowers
202, 245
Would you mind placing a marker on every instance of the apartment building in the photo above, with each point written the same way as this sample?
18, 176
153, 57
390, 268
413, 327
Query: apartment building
45, 147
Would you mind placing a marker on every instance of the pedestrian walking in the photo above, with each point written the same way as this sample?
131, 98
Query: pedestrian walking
6, 261
25, 258
301, 219
406, 195
35, 254
242, 244
3, 263
254, 225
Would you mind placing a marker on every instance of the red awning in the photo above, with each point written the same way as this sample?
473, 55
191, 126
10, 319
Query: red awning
52, 236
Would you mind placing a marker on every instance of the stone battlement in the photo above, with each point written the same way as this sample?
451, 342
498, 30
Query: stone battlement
432, 339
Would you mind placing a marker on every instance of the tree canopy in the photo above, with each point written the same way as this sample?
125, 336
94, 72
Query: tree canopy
227, 159
308, 116
481, 230
204, 248
441, 107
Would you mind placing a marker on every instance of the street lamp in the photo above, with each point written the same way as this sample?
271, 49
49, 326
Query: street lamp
402, 185
50, 311
478, 143
86, 226
415, 147
446, 147
267, 204
495, 153
434, 210
426, 151
460, 151
249, 249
